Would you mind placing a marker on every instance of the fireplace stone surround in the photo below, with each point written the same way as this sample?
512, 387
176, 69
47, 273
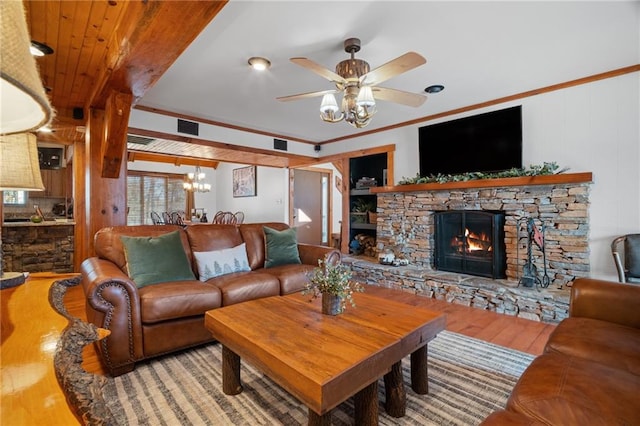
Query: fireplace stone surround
405, 225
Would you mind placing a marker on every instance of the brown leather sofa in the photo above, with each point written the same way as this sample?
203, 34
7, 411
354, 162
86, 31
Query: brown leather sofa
589, 373
161, 318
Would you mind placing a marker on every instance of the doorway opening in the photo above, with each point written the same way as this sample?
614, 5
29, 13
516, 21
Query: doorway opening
311, 207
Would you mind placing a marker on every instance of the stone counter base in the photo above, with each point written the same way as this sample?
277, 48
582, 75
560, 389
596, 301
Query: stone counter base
549, 305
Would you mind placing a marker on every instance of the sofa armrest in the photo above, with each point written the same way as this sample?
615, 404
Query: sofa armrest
606, 301
113, 303
310, 253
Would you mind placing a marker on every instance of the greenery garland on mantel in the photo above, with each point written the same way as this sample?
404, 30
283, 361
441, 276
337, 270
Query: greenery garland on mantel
532, 170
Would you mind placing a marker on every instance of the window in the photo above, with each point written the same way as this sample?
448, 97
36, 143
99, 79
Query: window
154, 192
15, 198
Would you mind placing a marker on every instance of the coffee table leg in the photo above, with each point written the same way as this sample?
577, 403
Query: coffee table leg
395, 396
230, 372
419, 379
366, 405
316, 419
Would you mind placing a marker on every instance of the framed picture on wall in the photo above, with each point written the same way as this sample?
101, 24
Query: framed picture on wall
244, 182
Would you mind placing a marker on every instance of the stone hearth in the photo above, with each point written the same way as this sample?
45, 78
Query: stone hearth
559, 202
502, 296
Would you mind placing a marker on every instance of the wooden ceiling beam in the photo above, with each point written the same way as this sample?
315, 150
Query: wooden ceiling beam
114, 146
171, 159
149, 38
230, 153
336, 159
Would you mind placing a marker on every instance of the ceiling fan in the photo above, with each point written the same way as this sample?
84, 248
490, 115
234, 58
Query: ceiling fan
359, 86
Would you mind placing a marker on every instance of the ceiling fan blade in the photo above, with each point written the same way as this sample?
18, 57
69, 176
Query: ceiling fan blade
305, 95
398, 96
401, 64
318, 69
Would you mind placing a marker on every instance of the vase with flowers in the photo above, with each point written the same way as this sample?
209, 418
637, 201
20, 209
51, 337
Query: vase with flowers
332, 281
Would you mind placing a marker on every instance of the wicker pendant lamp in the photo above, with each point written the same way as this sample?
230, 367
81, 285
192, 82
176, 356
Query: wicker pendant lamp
19, 166
24, 107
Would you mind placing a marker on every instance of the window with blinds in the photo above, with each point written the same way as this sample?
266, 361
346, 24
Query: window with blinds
154, 192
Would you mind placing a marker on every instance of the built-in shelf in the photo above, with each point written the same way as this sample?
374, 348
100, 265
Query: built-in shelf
365, 191
355, 225
490, 183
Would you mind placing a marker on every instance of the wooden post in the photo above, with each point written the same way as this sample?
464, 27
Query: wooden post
395, 396
419, 379
366, 406
231, 384
316, 419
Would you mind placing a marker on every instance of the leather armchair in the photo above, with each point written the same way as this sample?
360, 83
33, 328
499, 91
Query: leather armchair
629, 270
589, 372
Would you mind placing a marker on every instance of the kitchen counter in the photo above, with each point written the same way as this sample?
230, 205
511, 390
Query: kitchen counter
57, 222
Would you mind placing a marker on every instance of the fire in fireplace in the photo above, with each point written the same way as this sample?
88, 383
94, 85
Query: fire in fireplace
470, 242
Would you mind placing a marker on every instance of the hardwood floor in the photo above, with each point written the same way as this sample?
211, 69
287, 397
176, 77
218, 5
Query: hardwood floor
31, 328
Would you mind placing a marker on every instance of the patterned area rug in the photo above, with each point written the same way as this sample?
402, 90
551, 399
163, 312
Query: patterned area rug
468, 379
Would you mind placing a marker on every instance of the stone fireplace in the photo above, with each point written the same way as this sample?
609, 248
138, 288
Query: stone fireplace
558, 203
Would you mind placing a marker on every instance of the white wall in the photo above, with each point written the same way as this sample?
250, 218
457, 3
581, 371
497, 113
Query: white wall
593, 127
271, 203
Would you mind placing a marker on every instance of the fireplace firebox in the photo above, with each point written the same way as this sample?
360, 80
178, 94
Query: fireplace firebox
470, 242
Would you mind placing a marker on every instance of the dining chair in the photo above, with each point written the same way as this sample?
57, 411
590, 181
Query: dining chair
239, 217
156, 219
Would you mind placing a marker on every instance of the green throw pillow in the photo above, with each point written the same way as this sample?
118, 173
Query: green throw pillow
153, 260
281, 247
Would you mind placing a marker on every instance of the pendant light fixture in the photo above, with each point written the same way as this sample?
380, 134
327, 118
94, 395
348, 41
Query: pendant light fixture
195, 182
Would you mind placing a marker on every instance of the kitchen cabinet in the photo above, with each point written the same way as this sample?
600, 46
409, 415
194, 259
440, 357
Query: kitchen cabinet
55, 183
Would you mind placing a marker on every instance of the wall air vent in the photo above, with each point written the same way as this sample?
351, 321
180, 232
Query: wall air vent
189, 127
280, 144
139, 140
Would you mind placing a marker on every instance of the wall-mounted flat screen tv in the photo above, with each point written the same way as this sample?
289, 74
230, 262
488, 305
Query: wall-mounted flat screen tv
488, 142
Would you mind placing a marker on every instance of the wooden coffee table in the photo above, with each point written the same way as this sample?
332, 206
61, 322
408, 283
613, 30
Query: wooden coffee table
322, 360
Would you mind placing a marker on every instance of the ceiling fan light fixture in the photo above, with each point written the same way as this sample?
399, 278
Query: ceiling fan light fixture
356, 81
329, 104
329, 109
365, 97
258, 63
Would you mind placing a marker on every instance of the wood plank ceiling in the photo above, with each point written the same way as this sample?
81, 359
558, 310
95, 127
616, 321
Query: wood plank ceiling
79, 32
89, 48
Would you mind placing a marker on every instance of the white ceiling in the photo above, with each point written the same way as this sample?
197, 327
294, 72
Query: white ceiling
479, 51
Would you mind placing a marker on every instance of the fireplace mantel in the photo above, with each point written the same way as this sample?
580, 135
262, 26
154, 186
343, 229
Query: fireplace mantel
490, 183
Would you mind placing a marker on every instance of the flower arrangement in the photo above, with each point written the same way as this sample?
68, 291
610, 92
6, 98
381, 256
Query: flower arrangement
332, 278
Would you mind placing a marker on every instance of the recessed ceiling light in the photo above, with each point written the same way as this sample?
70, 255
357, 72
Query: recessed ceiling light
39, 49
258, 63
435, 88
